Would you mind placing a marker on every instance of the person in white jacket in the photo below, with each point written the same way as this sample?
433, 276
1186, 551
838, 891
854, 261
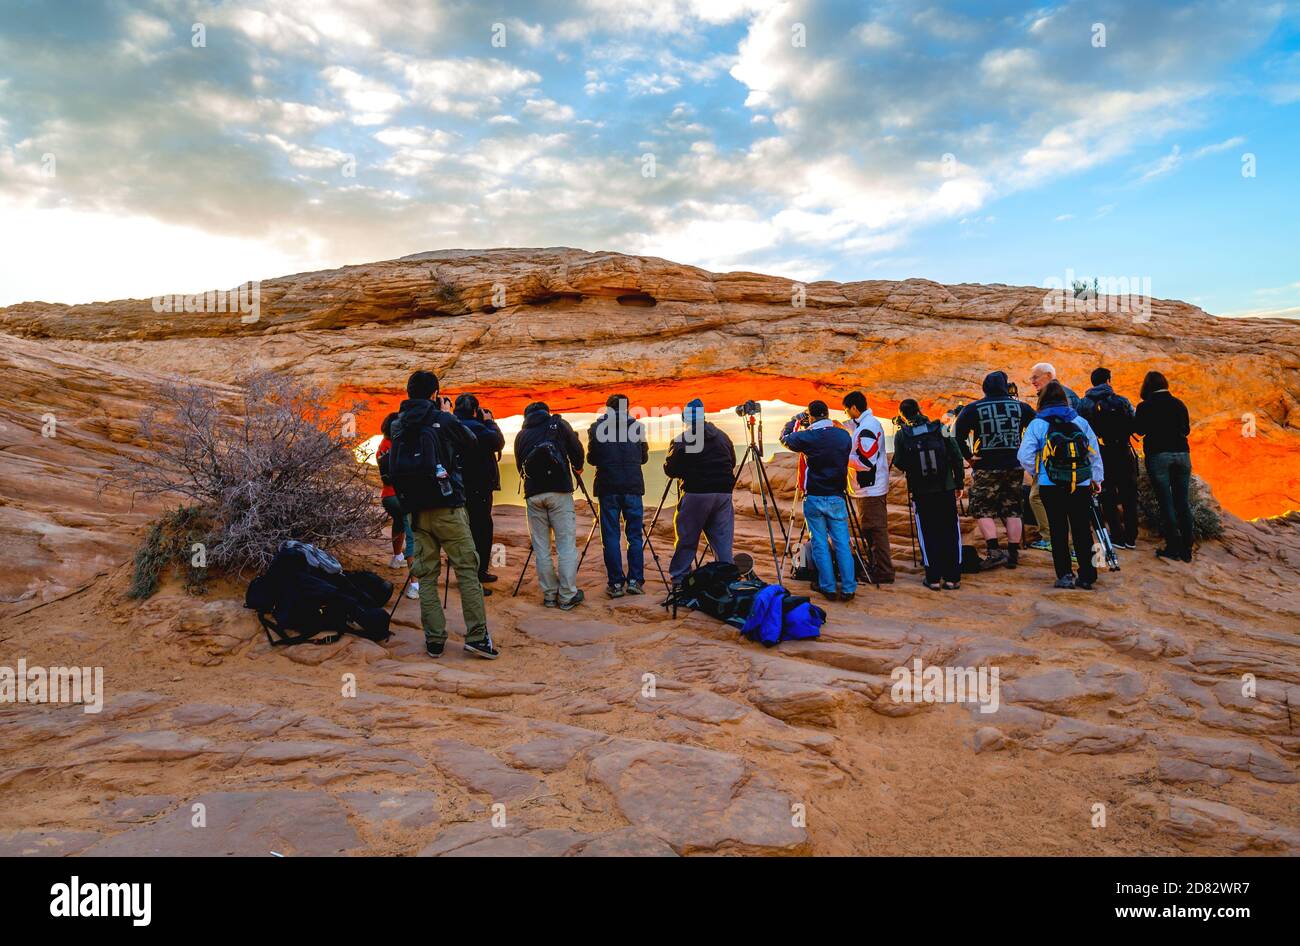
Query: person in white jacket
869, 483
1067, 473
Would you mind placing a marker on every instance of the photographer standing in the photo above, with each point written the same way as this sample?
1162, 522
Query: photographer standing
482, 477
617, 448
935, 478
703, 458
424, 464
547, 453
825, 505
869, 483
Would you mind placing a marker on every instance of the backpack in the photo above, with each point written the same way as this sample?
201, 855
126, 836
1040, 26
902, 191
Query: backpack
1064, 456
926, 458
776, 615
546, 459
412, 463
1111, 421
300, 599
719, 590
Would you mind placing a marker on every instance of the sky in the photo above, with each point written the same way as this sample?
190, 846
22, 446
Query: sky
175, 146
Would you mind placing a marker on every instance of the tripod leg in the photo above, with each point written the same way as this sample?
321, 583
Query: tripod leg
911, 524
794, 507
446, 587
590, 535
655, 556
401, 592
522, 572
655, 521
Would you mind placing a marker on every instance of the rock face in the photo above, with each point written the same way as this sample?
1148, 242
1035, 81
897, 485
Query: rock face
1171, 693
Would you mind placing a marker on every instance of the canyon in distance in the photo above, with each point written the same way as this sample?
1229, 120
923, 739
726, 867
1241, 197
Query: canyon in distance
1129, 697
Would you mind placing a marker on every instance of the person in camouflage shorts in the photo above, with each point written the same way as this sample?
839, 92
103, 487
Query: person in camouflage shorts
996, 494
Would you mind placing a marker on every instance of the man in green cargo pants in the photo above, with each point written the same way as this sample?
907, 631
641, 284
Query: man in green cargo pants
424, 467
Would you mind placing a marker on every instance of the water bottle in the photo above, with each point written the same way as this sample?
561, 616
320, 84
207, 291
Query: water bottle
444, 481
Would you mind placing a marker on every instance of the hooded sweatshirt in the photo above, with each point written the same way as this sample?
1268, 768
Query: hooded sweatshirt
1111, 418
997, 422
456, 440
1036, 434
904, 458
538, 426
703, 458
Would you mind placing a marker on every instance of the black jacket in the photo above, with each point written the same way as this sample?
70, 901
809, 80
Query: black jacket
482, 475
537, 427
998, 421
617, 448
1162, 422
827, 450
1111, 418
956, 478
705, 465
456, 438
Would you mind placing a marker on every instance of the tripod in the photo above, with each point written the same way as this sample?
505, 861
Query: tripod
856, 539
754, 451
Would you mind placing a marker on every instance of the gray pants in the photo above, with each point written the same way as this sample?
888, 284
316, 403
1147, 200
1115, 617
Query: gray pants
553, 513
711, 513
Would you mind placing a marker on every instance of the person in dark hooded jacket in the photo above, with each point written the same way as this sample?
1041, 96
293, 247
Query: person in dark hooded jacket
703, 458
436, 504
482, 477
936, 476
617, 448
988, 432
547, 454
1111, 418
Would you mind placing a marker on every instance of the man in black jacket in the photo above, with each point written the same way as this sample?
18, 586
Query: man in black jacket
825, 506
547, 452
1111, 418
988, 432
482, 477
431, 489
617, 448
703, 458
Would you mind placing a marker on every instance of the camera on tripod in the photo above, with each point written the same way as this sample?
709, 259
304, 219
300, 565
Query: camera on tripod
749, 408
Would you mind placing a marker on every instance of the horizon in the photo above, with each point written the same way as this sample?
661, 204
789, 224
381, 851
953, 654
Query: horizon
179, 143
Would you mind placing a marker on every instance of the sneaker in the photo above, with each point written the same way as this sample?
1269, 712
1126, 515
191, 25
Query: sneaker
550, 603
1065, 581
1125, 545
487, 592
1187, 557
1085, 584
932, 585
828, 595
486, 579
399, 561
482, 649
1013, 558
614, 590
1040, 545
572, 602
434, 648
413, 590
995, 559
951, 585
848, 595
1168, 555
634, 588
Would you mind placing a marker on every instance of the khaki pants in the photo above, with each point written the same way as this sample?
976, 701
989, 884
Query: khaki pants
873, 522
553, 513
1039, 511
437, 530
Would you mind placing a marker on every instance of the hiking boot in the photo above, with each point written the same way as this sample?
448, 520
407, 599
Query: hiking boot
550, 603
932, 585
434, 648
573, 602
413, 590
848, 595
828, 595
1168, 555
399, 561
614, 590
1040, 545
951, 585
634, 588
487, 592
1085, 584
1013, 558
995, 559
1065, 581
486, 579
482, 649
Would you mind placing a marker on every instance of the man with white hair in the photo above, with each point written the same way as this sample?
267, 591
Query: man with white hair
1039, 375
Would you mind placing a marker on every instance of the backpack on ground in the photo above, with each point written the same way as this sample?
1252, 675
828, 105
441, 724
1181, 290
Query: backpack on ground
719, 590
547, 458
415, 457
776, 615
925, 457
1064, 456
298, 600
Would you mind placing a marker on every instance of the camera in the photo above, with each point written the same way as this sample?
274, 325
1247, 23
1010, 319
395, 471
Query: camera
748, 409
1012, 390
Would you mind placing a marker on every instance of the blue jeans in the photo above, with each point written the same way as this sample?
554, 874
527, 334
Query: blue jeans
629, 507
829, 514
1171, 476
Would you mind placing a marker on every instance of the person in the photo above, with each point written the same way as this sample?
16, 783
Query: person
482, 478
989, 431
869, 483
617, 448
936, 477
1111, 418
402, 537
825, 504
547, 454
1060, 451
703, 458
1163, 423
1040, 376
425, 465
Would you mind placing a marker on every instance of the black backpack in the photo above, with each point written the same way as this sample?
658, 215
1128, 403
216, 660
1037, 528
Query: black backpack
926, 458
546, 459
719, 590
297, 600
411, 466
1111, 422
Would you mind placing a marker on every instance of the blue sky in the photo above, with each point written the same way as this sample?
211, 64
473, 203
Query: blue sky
962, 142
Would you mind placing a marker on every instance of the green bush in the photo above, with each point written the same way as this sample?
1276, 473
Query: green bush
1207, 518
170, 544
